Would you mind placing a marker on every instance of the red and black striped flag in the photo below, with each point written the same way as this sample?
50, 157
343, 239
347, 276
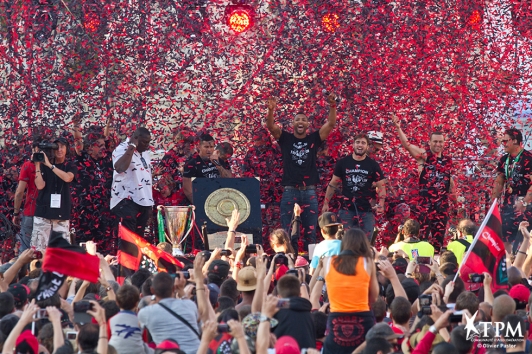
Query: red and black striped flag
487, 252
133, 247
62, 259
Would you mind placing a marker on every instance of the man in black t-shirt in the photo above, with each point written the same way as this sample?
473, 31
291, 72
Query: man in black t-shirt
300, 173
436, 185
513, 185
360, 176
53, 206
92, 192
206, 164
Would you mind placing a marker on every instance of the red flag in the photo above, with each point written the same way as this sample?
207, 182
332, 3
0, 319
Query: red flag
487, 252
132, 247
67, 259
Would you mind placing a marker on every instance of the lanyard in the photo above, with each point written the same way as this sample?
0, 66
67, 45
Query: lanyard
508, 175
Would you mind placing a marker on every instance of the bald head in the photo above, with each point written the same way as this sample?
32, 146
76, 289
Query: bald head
503, 306
467, 227
514, 276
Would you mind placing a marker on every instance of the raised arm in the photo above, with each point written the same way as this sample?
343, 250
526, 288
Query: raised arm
215, 159
78, 138
64, 175
274, 129
122, 164
415, 151
327, 128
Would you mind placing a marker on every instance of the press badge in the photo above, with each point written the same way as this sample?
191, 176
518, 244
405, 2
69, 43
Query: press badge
55, 201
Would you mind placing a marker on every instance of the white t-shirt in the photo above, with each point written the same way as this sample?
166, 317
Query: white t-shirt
135, 183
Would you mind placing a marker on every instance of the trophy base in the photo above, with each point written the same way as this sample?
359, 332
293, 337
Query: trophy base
176, 251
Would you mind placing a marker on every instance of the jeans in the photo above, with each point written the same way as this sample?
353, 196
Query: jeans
26, 228
309, 212
363, 220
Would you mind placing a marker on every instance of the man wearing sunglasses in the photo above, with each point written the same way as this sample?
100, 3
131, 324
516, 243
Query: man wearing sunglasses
513, 185
131, 193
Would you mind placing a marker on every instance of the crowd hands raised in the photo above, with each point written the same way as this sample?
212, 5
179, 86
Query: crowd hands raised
245, 301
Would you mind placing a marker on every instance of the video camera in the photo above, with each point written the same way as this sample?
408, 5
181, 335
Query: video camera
45, 147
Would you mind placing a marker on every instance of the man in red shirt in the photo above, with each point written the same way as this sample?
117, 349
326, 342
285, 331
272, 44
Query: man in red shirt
26, 182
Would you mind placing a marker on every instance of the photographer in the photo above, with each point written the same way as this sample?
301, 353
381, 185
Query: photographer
52, 212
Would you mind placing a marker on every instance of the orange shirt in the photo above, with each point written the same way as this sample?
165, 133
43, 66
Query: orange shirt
348, 293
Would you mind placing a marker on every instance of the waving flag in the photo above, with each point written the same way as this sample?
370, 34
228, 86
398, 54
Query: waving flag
487, 253
133, 247
62, 259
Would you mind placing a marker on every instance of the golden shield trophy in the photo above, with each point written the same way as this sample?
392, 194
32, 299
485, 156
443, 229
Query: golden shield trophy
215, 200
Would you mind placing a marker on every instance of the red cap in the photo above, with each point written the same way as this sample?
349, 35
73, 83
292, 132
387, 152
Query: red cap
168, 345
519, 292
26, 340
301, 262
286, 345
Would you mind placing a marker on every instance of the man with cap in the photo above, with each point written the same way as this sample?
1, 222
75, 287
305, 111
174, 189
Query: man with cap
330, 246
20, 294
520, 294
375, 143
246, 283
218, 271
380, 330
53, 206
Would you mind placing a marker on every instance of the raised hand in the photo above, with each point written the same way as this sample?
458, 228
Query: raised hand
272, 103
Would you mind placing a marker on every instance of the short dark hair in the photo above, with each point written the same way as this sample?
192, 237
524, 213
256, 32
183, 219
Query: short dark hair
163, 285
205, 137
379, 309
377, 344
361, 136
437, 132
7, 303
228, 288
139, 277
401, 310
289, 286
224, 303
330, 230
514, 134
111, 308
448, 257
459, 339
459, 287
225, 148
88, 337
146, 287
127, 297
141, 131
467, 301
320, 323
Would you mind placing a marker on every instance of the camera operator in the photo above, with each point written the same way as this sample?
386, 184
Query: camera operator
54, 200
26, 180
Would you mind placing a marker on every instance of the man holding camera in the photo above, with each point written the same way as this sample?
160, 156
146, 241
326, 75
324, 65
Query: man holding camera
52, 212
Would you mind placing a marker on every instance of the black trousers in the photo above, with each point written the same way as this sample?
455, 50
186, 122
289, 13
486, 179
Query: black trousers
133, 216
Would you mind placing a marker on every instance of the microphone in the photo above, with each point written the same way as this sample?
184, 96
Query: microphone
327, 93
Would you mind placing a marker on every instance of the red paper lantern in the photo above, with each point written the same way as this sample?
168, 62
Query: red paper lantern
330, 22
239, 17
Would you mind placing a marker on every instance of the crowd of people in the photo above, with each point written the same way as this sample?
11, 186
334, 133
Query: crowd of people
291, 294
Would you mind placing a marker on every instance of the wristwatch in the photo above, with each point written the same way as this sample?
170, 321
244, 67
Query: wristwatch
108, 289
52, 168
264, 318
433, 329
320, 278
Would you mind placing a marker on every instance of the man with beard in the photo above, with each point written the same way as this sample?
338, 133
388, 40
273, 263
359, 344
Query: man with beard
300, 173
513, 185
435, 184
206, 164
93, 220
358, 175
